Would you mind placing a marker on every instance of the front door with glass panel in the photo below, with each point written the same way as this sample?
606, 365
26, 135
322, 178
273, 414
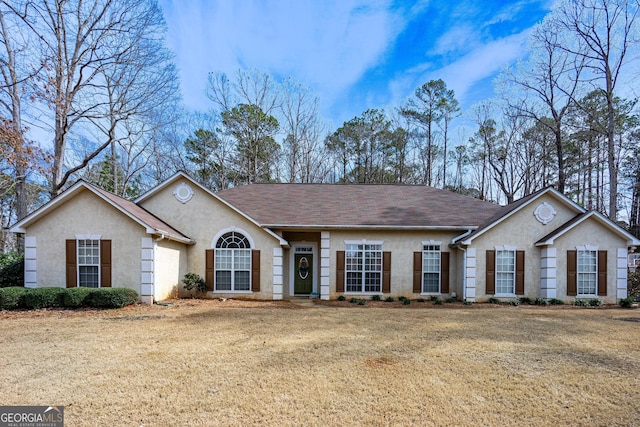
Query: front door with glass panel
303, 271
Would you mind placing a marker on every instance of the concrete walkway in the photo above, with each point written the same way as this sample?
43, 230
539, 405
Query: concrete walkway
303, 302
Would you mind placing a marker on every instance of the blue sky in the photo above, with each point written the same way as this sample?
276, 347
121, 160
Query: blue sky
353, 54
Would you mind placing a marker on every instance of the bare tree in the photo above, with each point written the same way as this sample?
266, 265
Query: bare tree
545, 87
80, 44
301, 126
605, 32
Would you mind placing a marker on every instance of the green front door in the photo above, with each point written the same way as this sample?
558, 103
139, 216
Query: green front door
303, 274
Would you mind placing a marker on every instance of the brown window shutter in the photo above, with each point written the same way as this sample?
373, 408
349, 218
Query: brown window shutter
519, 272
602, 273
444, 272
417, 272
491, 273
386, 272
209, 268
255, 270
339, 271
72, 272
572, 277
105, 263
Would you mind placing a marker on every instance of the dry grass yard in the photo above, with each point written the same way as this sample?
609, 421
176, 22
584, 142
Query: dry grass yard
217, 363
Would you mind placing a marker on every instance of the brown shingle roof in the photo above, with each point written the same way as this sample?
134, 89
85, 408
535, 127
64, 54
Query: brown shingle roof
358, 205
141, 214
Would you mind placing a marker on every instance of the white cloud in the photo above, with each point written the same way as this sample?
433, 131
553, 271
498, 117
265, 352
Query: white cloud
483, 62
327, 45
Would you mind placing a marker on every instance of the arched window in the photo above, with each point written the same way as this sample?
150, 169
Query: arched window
233, 263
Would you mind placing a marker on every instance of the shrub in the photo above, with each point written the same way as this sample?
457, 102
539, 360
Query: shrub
44, 297
390, 299
342, 298
353, 300
437, 301
514, 302
581, 303
420, 300
467, 302
113, 297
375, 297
193, 282
77, 297
450, 300
11, 270
493, 300
405, 301
402, 299
540, 301
362, 302
596, 303
12, 298
525, 300
626, 302
434, 297
556, 301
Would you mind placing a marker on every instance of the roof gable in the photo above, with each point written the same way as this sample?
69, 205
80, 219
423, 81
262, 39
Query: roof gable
579, 219
181, 175
150, 222
510, 210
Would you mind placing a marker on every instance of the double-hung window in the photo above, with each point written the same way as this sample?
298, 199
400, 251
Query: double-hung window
88, 263
363, 268
431, 268
505, 272
587, 267
233, 263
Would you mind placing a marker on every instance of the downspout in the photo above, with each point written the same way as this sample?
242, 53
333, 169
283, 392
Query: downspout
464, 264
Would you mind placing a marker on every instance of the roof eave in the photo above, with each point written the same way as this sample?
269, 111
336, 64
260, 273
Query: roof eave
166, 235
368, 227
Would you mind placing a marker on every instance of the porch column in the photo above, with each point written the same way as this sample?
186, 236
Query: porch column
325, 255
470, 275
621, 274
147, 270
30, 265
278, 266
548, 273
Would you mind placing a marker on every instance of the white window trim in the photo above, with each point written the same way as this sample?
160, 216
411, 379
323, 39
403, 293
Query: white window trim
505, 248
431, 243
585, 248
364, 242
230, 229
78, 265
213, 246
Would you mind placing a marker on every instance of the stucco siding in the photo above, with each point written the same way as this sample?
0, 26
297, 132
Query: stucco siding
402, 245
522, 230
87, 214
170, 268
202, 218
589, 233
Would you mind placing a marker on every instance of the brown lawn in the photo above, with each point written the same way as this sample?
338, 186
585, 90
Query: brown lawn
229, 363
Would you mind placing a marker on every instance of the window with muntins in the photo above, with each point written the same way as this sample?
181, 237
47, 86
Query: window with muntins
505, 271
587, 272
89, 263
431, 268
363, 270
233, 263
